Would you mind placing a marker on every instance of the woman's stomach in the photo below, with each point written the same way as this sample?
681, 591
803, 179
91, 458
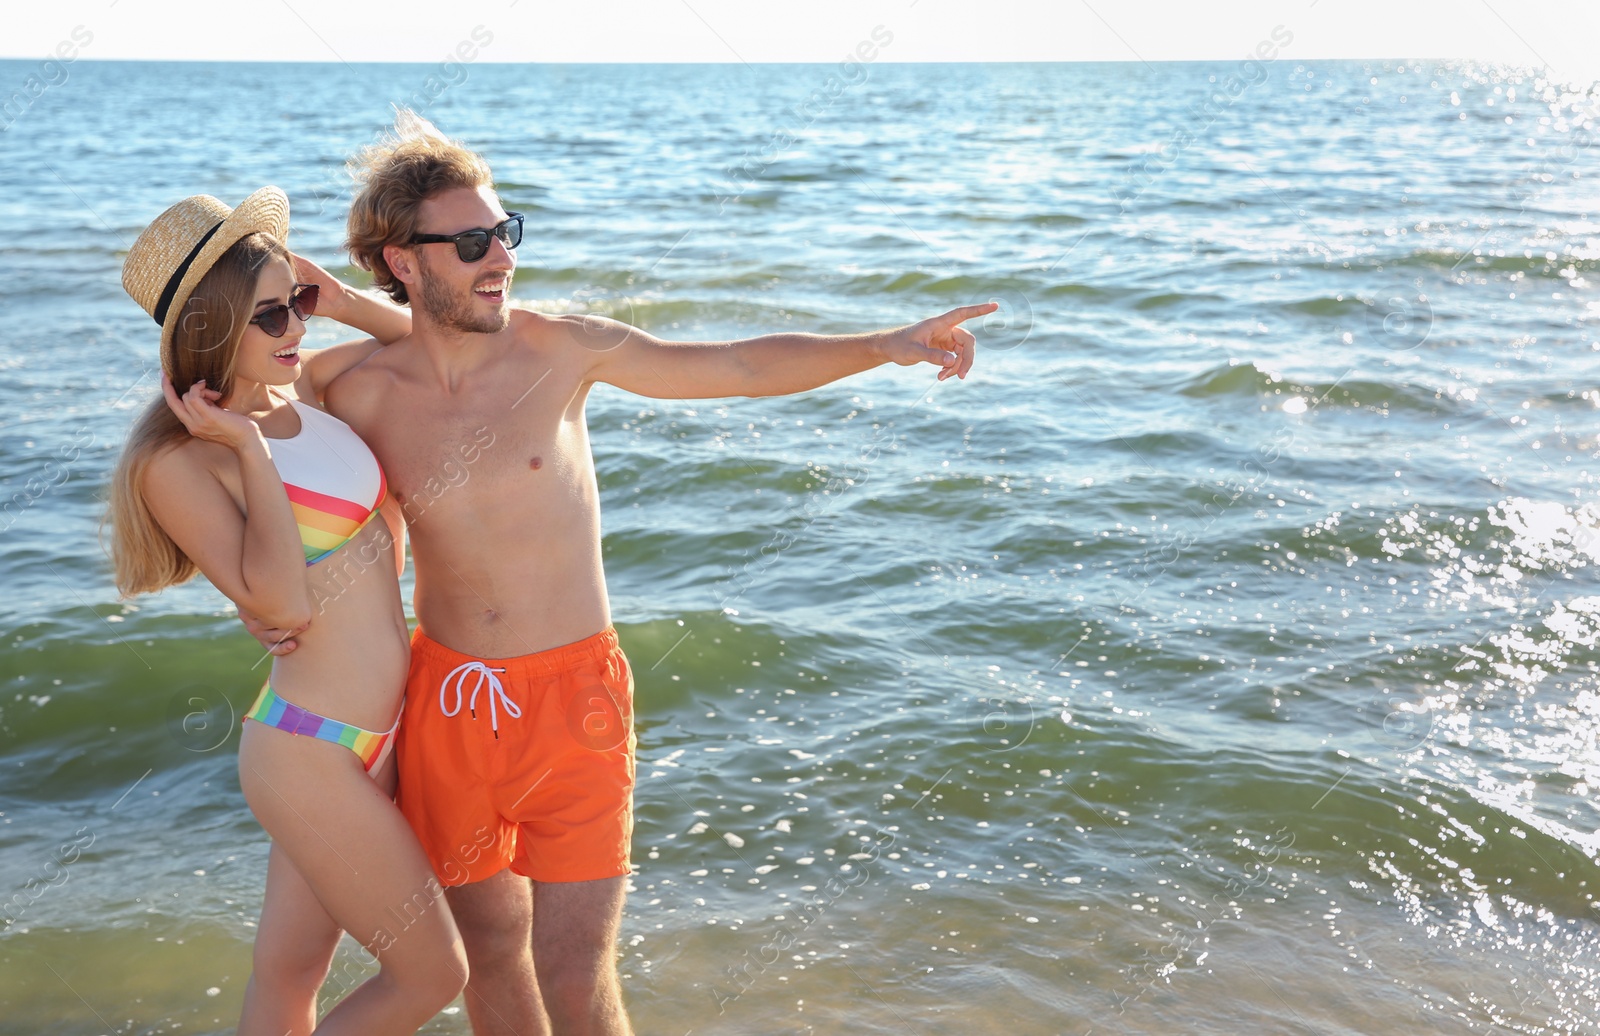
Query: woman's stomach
350, 663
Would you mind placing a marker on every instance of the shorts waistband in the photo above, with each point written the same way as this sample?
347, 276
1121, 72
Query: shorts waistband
550, 661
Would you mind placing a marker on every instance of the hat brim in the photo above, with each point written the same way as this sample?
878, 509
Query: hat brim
265, 212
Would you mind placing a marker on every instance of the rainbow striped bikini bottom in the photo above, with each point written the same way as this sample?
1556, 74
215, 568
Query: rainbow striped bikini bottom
369, 746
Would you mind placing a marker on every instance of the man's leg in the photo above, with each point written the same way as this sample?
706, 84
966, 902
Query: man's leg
575, 927
495, 918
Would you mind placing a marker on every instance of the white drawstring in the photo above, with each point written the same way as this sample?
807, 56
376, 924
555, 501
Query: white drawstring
460, 674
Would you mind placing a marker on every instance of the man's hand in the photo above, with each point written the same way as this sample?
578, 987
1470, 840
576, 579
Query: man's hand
276, 641
940, 340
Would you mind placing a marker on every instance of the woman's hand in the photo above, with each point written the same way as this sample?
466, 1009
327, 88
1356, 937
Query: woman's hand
338, 301
198, 411
276, 641
333, 297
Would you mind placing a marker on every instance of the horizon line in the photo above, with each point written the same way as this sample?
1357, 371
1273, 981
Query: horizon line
879, 61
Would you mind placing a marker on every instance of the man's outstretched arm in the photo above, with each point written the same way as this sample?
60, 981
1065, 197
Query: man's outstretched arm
770, 365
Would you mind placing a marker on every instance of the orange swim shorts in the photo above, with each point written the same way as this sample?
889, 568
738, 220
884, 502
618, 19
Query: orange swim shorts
524, 762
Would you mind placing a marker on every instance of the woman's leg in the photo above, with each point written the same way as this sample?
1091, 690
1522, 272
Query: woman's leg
360, 859
294, 945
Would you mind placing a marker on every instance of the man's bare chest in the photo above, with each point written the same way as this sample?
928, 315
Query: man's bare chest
444, 455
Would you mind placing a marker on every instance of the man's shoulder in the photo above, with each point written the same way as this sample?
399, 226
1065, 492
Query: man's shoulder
535, 329
580, 334
563, 340
365, 382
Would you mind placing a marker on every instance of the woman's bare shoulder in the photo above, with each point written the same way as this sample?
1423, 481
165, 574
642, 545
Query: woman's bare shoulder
182, 462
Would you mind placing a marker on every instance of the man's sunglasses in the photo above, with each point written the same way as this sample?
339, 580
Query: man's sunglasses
274, 320
472, 245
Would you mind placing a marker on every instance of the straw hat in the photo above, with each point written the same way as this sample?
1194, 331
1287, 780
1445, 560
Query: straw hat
175, 251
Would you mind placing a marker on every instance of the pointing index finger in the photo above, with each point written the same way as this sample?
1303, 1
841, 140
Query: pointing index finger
962, 313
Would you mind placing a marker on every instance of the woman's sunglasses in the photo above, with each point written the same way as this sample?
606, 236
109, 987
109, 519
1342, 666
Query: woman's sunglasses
472, 245
274, 320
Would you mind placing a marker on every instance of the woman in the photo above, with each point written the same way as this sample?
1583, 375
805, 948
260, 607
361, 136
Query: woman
239, 474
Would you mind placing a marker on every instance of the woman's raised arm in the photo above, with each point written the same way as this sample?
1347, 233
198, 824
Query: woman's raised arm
256, 558
384, 321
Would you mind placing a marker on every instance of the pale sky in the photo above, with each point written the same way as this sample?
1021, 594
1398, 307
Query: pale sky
1563, 35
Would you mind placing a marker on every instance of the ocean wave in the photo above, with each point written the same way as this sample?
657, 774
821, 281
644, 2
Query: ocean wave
1081, 292
1174, 299
1247, 380
914, 282
1033, 219
1325, 306
1452, 261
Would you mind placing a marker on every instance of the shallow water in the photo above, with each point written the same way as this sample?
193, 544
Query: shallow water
1219, 657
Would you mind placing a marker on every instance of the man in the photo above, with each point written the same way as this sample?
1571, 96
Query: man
516, 742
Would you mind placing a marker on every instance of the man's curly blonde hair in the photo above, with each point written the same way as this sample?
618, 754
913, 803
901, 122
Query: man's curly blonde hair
396, 175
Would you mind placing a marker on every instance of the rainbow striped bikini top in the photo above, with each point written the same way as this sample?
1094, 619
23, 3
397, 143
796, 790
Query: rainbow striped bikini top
330, 475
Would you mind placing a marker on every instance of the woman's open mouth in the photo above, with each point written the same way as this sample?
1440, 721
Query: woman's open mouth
289, 355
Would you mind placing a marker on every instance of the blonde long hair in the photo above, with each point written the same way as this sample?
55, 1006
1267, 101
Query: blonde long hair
205, 345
